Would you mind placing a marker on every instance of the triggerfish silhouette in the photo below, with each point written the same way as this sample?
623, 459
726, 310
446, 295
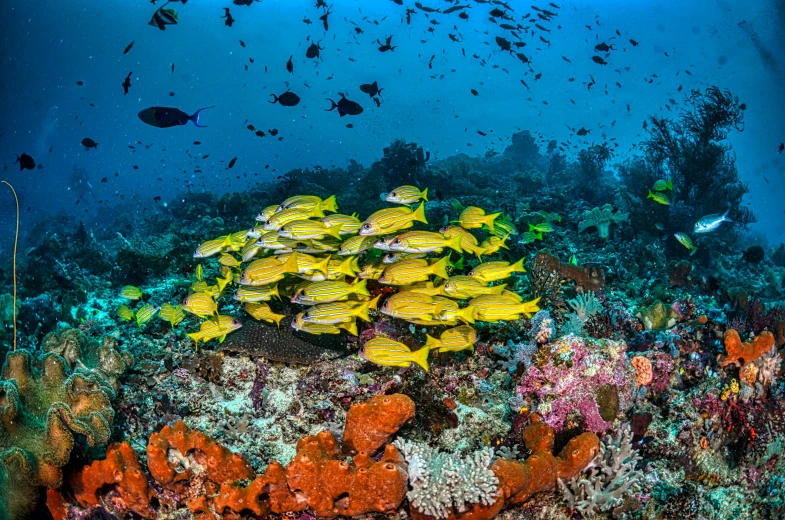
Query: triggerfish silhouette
166, 117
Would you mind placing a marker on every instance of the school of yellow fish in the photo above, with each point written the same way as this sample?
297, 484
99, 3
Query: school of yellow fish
304, 250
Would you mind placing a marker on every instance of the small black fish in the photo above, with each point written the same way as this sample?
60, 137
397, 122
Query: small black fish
603, 47
376, 100
126, 84
464, 15
633, 42
228, 15
89, 143
250, 127
475, 93
171, 94
781, 148
598, 60
244, 2
287, 99
172, 68
259, 133
290, 65
582, 132
273, 131
345, 107
753, 254
232, 163
80, 83
25, 162
129, 47
323, 18
497, 13
313, 50
372, 89
543, 40
349, 125
424, 8
166, 117
242, 44
504, 44
743, 106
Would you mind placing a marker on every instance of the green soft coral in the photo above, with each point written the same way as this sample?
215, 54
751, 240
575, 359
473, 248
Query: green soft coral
40, 411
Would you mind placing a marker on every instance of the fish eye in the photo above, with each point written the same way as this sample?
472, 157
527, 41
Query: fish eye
396, 241
394, 194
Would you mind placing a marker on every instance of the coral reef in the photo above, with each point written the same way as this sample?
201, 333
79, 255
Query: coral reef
601, 219
657, 316
387, 413
741, 353
77, 350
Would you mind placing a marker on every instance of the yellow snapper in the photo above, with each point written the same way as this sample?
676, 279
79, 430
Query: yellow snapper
474, 217
542, 227
309, 202
199, 272
145, 314
424, 242
412, 306
350, 224
200, 304
685, 240
356, 245
453, 340
306, 263
262, 311
299, 323
659, 198
249, 251
211, 247
256, 294
339, 312
386, 352
493, 308
266, 213
228, 260
468, 241
407, 194
125, 313
410, 271
268, 270
131, 292
309, 229
337, 269
278, 220
327, 244
493, 271
330, 291
450, 311
427, 288
392, 257
463, 287
272, 240
217, 327
392, 219
492, 244
174, 314
662, 185
372, 270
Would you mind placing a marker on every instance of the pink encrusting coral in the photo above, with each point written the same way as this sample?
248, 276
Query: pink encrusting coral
592, 377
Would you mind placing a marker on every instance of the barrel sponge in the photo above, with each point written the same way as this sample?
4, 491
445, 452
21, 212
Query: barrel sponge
40, 410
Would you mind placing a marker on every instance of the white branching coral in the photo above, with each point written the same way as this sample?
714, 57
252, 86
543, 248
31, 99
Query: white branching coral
440, 482
609, 477
585, 305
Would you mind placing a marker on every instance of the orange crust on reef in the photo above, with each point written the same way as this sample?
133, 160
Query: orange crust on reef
740, 353
121, 470
371, 424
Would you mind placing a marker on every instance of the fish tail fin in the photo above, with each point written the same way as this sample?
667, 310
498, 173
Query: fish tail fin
275, 99
669, 185
432, 343
504, 242
345, 267
291, 265
467, 314
489, 220
374, 304
531, 227
651, 195
538, 236
355, 265
361, 288
322, 266
421, 357
458, 265
455, 243
350, 327
694, 249
335, 230
277, 318
424, 193
195, 336
419, 213
499, 288
479, 252
725, 215
195, 118
335, 105
518, 266
329, 204
440, 267
531, 307
361, 311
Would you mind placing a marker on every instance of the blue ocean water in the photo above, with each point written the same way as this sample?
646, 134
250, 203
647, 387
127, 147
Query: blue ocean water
428, 80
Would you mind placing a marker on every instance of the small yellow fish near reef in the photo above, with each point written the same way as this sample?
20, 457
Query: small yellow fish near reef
386, 352
659, 198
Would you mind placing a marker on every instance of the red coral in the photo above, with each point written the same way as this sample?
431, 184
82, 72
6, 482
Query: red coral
370, 425
120, 470
740, 353
589, 277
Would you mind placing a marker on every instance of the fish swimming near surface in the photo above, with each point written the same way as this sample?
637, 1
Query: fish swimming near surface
163, 17
287, 99
167, 117
25, 161
345, 107
710, 223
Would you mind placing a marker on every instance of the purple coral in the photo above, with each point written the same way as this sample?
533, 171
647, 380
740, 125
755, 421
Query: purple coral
569, 379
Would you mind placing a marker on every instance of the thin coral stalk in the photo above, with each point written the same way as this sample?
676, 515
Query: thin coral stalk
16, 240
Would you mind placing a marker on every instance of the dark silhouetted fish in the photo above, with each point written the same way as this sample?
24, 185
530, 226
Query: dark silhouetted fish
228, 15
287, 99
163, 17
323, 18
126, 84
290, 65
129, 47
313, 50
345, 107
244, 2
89, 143
603, 47
167, 117
25, 162
598, 60
372, 89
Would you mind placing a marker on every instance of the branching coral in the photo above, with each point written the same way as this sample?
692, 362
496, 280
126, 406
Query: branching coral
608, 479
444, 482
585, 305
602, 218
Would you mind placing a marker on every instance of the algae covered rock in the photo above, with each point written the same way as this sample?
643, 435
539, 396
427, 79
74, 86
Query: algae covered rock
602, 218
40, 411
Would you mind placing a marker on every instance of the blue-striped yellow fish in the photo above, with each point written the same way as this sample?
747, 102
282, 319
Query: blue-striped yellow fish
493, 308
493, 271
200, 304
131, 292
145, 314
473, 217
386, 352
262, 311
410, 271
424, 242
125, 313
260, 293
407, 194
217, 327
453, 340
390, 220
173, 314
268, 270
330, 291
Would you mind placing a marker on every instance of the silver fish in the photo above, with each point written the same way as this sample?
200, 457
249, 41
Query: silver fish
710, 223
